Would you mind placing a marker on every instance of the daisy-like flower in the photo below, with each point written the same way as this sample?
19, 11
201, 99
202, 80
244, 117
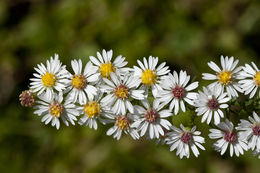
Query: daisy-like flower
123, 123
53, 109
94, 111
250, 131
251, 79
106, 66
227, 137
50, 77
182, 139
227, 77
151, 121
120, 90
209, 103
82, 84
150, 75
177, 92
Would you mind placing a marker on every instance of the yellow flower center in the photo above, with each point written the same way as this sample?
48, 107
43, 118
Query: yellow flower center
56, 109
149, 77
79, 81
48, 79
92, 109
225, 77
106, 69
122, 122
257, 78
121, 92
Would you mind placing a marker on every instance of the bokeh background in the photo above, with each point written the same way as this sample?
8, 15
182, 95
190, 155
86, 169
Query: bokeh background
184, 33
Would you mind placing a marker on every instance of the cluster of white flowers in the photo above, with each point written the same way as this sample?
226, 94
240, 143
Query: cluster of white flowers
141, 101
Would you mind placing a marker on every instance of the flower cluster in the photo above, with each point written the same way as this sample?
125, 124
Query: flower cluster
144, 100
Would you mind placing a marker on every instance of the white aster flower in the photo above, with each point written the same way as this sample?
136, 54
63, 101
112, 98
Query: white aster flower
251, 79
53, 109
151, 121
150, 75
209, 103
106, 66
227, 137
250, 131
177, 92
50, 77
182, 139
94, 111
82, 84
227, 78
120, 90
123, 123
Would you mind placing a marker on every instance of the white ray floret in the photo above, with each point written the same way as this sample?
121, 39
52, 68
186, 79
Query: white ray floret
106, 65
150, 75
227, 77
183, 140
151, 121
209, 104
226, 136
123, 124
251, 80
55, 108
94, 111
119, 92
250, 131
82, 83
176, 91
48, 78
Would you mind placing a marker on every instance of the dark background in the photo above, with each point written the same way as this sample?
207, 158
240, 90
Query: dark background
184, 33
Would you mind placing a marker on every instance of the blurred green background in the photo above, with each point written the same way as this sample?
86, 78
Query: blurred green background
184, 33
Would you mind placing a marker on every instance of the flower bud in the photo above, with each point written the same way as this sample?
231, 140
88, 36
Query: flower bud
26, 98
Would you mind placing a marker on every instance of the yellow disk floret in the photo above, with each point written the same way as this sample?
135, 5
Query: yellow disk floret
149, 77
106, 69
257, 78
122, 122
121, 92
92, 109
79, 81
48, 79
56, 109
225, 77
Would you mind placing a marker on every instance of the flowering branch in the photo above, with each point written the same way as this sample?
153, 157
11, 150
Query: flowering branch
144, 101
